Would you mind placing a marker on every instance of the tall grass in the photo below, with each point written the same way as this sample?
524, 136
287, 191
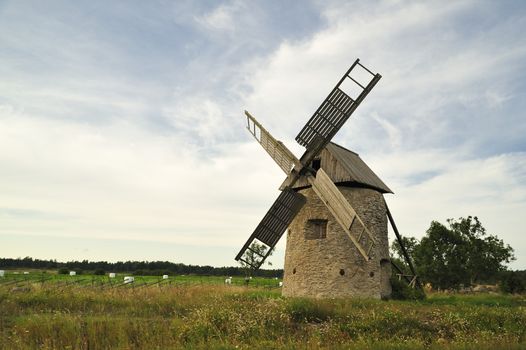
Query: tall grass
228, 317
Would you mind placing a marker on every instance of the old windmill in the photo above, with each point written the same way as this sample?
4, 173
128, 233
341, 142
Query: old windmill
332, 204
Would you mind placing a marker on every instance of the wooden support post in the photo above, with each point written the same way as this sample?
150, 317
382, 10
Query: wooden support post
402, 247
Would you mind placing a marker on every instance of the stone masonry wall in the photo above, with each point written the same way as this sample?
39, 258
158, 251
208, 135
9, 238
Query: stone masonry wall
332, 267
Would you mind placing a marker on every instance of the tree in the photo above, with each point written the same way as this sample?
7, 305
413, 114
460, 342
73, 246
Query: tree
439, 257
397, 256
462, 253
253, 256
512, 282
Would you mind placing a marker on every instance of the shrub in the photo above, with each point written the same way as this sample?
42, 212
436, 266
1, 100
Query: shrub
99, 272
63, 271
402, 291
512, 283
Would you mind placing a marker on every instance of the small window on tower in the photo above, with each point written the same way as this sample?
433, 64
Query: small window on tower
316, 164
316, 229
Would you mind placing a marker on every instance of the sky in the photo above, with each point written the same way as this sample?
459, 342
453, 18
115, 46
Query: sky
122, 129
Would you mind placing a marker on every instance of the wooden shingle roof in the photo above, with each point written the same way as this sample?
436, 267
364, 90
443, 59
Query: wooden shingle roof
359, 172
346, 167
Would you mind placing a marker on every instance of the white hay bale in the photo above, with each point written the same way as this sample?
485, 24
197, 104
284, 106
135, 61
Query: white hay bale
2, 273
129, 279
165, 277
72, 273
26, 273
111, 275
280, 284
228, 280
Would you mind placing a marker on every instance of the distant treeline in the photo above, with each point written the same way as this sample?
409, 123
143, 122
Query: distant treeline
137, 267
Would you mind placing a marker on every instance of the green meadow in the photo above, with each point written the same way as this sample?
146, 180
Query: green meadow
50, 279
202, 312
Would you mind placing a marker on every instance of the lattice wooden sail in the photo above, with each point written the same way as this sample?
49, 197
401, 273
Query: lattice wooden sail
285, 159
274, 223
334, 112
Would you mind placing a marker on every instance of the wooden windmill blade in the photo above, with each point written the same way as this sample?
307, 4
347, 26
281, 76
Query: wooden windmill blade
343, 213
283, 157
334, 112
286, 206
273, 225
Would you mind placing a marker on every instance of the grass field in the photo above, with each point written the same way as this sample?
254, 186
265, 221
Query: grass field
201, 313
51, 279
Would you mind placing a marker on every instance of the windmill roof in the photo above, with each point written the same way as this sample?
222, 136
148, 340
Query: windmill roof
358, 171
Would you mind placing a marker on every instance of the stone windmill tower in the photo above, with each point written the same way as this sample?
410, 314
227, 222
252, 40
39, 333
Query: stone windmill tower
332, 204
321, 260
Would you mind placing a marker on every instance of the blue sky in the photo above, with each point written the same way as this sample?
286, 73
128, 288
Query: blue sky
122, 131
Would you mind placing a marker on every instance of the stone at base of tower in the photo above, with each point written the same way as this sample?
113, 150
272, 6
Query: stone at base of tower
322, 262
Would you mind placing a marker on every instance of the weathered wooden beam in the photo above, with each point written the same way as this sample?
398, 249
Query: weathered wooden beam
402, 247
342, 211
283, 157
400, 272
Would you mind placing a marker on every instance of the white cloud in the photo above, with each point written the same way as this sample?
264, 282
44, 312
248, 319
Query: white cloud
124, 180
394, 134
221, 18
199, 119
